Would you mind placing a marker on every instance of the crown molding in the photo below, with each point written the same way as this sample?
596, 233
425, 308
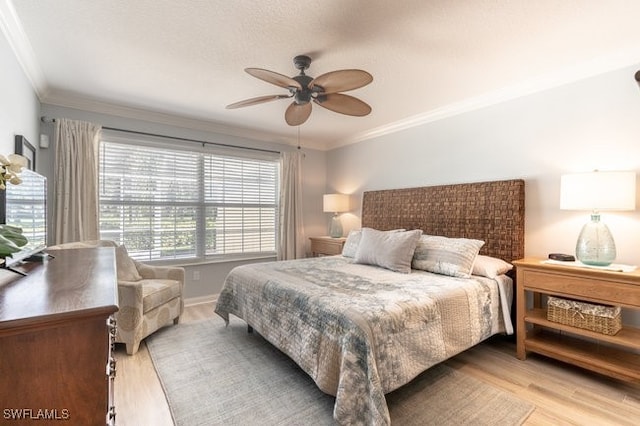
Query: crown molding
19, 43
169, 119
548, 81
598, 66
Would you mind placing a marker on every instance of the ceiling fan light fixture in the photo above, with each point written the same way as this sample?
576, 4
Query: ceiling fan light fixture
303, 97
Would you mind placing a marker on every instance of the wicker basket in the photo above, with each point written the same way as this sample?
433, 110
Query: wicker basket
599, 318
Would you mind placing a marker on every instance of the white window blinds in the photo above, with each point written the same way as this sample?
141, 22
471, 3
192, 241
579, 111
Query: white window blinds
173, 204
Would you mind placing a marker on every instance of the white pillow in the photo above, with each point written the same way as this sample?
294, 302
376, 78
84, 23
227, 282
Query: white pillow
446, 256
352, 243
388, 249
353, 240
490, 267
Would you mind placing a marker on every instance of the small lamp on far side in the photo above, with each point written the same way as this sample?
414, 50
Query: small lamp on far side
335, 203
597, 191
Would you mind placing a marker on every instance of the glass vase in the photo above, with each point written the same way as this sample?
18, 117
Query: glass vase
335, 230
595, 244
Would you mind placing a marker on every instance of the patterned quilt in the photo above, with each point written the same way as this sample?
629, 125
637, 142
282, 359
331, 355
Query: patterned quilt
361, 331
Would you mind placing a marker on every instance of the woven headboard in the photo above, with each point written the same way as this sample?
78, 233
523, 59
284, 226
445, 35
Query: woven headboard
488, 211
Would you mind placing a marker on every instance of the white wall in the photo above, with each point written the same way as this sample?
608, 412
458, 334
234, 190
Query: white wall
212, 275
19, 105
587, 125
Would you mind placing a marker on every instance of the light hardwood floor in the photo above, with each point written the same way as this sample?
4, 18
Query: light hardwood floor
562, 394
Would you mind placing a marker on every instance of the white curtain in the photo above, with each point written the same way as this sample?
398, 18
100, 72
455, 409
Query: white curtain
291, 242
76, 181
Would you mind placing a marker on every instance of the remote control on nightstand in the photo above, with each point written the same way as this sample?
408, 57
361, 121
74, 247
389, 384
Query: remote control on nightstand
562, 257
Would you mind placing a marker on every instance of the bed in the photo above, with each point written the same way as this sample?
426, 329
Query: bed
361, 328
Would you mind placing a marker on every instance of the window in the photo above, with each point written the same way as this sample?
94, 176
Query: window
166, 204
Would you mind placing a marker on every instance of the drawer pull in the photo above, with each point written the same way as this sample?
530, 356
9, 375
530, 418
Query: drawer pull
111, 416
111, 367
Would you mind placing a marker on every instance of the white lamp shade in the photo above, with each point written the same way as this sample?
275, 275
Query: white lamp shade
598, 191
335, 203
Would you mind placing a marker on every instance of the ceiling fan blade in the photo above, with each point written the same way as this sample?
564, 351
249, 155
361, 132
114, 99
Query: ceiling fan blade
341, 80
255, 101
274, 78
343, 104
297, 114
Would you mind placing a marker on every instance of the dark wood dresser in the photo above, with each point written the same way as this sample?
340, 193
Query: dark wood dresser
56, 334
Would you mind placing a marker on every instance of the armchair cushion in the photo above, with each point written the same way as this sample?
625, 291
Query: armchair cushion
156, 292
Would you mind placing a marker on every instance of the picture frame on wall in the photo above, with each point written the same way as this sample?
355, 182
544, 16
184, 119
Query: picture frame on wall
24, 148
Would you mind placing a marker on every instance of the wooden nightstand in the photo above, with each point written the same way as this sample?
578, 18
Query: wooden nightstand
326, 246
610, 355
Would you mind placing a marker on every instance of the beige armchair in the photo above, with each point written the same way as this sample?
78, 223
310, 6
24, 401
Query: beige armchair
149, 297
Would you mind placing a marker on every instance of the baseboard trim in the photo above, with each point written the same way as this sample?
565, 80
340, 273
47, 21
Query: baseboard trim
210, 298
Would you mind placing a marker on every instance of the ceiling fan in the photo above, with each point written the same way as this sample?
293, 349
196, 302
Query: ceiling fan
323, 90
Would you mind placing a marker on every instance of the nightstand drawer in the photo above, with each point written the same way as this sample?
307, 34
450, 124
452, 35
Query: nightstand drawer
610, 292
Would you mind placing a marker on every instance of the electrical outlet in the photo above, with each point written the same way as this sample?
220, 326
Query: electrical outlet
196, 275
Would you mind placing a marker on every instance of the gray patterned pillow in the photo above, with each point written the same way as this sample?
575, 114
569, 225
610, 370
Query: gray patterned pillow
446, 256
388, 249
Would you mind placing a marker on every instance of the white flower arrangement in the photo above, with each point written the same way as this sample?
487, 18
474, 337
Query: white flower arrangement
10, 169
11, 238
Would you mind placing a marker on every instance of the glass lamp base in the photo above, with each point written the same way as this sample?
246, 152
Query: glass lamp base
335, 230
595, 244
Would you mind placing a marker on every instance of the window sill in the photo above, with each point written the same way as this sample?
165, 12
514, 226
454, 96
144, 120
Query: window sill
199, 262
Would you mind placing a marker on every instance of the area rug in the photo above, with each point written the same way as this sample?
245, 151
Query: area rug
217, 375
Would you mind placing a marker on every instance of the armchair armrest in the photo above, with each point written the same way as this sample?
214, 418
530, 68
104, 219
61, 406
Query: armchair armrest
130, 294
130, 305
162, 272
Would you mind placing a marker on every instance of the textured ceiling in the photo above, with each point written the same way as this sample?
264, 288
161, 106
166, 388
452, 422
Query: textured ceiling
152, 58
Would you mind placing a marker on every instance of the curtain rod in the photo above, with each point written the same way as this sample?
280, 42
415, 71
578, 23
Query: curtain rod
45, 119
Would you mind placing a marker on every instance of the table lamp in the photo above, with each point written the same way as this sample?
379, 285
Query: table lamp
597, 191
335, 203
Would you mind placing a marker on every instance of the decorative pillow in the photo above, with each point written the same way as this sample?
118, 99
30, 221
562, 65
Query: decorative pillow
353, 240
125, 267
352, 243
388, 249
446, 256
490, 267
